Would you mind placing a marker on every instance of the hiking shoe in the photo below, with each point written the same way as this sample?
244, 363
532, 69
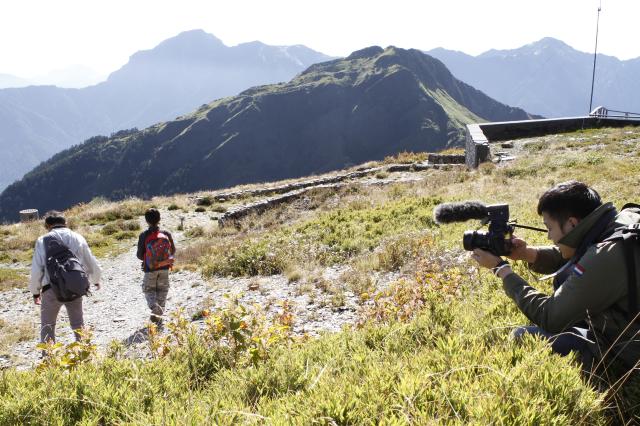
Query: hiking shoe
156, 319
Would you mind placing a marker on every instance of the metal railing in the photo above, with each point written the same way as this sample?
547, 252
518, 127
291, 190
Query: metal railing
603, 112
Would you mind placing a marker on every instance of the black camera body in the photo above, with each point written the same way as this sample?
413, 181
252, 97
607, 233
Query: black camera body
498, 239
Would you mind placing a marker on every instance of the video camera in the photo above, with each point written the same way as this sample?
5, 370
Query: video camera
498, 240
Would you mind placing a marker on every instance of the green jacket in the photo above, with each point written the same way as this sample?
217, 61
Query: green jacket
596, 291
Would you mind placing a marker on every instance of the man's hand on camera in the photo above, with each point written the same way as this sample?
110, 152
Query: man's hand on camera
489, 260
485, 259
520, 251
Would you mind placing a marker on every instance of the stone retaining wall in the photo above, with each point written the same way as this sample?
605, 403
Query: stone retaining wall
296, 190
433, 160
480, 135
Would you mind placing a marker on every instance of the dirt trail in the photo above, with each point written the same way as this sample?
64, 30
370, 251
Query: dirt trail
118, 311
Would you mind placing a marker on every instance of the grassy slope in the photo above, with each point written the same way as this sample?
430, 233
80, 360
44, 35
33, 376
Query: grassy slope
432, 348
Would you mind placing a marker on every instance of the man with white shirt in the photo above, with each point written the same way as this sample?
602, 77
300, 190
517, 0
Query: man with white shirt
40, 284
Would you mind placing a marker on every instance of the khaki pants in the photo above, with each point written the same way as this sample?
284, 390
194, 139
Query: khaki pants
155, 287
49, 309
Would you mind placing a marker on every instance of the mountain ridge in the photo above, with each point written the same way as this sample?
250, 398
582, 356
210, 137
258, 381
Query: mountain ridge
548, 77
375, 103
155, 85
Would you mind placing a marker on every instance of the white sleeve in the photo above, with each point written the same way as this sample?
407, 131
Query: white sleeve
90, 263
37, 268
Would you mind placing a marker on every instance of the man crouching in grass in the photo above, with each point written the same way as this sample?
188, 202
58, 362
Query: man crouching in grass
593, 310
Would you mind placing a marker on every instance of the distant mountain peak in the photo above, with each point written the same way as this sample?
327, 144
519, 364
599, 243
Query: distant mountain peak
173, 78
196, 41
254, 43
549, 42
193, 36
547, 77
367, 52
196, 44
544, 45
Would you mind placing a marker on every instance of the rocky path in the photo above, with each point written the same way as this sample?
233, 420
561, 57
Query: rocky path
118, 311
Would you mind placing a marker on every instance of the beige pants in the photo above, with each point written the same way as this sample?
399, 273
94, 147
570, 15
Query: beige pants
155, 287
49, 309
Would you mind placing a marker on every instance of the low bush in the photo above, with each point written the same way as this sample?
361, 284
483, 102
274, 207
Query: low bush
13, 278
436, 357
15, 331
332, 237
194, 232
262, 257
102, 212
407, 158
204, 201
17, 241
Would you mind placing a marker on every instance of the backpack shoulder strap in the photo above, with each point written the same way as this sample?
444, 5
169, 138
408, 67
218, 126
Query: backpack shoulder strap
47, 245
630, 237
629, 253
630, 206
150, 236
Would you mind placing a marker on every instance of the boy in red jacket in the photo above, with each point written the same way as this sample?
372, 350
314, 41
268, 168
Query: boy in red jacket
156, 250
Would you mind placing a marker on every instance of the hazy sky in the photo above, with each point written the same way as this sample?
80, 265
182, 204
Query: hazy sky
38, 36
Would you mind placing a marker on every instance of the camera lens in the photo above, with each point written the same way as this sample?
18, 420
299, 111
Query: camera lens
467, 240
474, 239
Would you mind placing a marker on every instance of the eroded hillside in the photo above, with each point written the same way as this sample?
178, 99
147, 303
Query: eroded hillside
427, 339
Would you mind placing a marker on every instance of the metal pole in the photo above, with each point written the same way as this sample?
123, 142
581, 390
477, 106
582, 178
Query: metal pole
595, 53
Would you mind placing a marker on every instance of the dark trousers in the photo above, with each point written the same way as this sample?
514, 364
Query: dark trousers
574, 339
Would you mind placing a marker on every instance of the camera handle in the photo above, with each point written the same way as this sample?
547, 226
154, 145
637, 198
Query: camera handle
533, 228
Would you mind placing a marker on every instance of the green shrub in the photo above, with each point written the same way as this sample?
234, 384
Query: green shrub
441, 364
15, 331
125, 210
110, 228
396, 251
204, 201
130, 225
125, 235
332, 237
120, 227
13, 278
251, 258
196, 231
347, 232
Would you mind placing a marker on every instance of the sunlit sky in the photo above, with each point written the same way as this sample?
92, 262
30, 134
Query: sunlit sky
38, 36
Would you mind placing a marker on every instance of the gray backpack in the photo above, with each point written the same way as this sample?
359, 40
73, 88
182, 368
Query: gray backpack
68, 278
630, 237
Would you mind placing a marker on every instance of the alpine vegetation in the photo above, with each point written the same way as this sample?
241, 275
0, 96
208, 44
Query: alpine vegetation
425, 333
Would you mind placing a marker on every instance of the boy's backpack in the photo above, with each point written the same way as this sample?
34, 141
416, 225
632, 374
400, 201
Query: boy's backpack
630, 237
157, 253
68, 278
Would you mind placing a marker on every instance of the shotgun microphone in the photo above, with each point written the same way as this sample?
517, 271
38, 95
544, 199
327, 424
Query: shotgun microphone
459, 212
